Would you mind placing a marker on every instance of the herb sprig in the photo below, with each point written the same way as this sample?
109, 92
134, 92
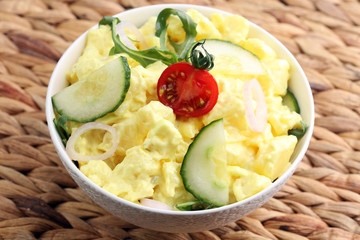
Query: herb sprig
199, 59
151, 55
189, 27
144, 57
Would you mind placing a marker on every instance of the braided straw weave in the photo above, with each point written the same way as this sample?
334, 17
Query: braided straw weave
38, 199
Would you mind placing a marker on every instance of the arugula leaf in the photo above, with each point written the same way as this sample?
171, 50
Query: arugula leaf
193, 206
298, 132
199, 59
144, 57
61, 128
188, 24
108, 20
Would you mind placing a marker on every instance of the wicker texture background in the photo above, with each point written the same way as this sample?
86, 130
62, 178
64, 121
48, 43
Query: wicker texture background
321, 201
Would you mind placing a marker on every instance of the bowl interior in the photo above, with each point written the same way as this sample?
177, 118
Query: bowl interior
298, 84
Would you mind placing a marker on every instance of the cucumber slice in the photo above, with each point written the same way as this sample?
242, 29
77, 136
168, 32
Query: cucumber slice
101, 92
290, 101
230, 57
203, 170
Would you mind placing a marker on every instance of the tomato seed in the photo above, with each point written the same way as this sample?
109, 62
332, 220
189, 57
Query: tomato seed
161, 91
202, 102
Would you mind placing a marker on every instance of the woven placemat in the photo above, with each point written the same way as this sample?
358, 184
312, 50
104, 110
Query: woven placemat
38, 199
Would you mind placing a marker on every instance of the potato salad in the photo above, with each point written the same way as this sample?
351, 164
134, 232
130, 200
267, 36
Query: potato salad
185, 112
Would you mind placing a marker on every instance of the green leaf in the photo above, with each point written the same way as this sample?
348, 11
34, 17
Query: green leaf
163, 39
199, 59
193, 206
112, 51
189, 27
298, 132
61, 128
144, 57
108, 20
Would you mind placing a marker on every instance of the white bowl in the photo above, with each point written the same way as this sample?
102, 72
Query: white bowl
180, 221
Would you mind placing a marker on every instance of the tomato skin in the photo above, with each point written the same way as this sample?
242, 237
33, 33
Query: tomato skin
189, 91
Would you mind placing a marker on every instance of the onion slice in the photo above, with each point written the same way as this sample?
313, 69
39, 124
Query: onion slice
120, 28
155, 204
84, 128
257, 118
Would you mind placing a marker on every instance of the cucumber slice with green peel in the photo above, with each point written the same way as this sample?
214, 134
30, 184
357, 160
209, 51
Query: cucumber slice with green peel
290, 101
203, 170
241, 60
101, 92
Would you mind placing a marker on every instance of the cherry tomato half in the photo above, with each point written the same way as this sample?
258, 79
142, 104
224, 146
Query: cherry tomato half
189, 91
